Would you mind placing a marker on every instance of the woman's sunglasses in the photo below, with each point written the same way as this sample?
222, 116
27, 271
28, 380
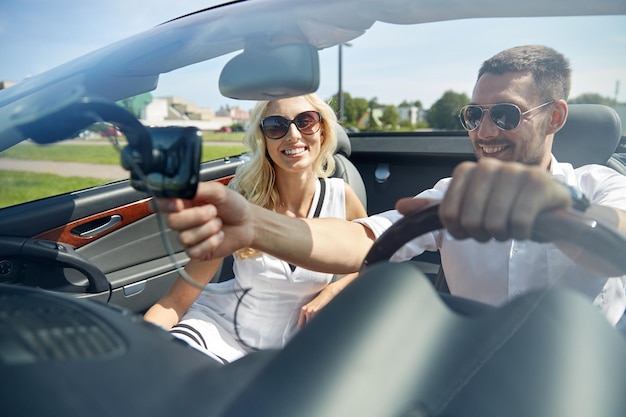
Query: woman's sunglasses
276, 127
506, 116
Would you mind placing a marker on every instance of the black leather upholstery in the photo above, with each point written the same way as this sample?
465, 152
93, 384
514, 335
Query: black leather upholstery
590, 135
618, 163
345, 169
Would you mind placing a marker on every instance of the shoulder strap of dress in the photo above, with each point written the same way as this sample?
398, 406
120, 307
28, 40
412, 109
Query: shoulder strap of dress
320, 201
318, 208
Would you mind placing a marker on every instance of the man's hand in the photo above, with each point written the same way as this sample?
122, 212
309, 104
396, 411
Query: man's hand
214, 224
495, 199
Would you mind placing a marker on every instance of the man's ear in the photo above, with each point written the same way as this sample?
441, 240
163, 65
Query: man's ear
558, 116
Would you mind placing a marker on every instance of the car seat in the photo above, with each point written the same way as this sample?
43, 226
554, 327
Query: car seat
344, 167
590, 135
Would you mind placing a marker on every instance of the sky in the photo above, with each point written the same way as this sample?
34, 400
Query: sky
38, 35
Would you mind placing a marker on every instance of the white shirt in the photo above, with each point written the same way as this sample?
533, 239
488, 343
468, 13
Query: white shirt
267, 315
495, 272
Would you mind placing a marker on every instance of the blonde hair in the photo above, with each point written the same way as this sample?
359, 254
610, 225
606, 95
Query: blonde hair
256, 178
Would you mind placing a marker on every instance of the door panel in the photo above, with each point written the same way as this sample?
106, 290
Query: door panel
102, 243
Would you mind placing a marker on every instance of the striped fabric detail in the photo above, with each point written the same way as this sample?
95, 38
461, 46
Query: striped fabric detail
194, 335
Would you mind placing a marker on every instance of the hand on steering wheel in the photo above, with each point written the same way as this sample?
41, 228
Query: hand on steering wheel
603, 248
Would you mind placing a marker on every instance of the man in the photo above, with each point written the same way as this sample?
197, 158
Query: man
518, 104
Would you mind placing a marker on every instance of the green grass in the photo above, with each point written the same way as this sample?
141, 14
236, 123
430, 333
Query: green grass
99, 154
93, 154
212, 152
222, 136
18, 187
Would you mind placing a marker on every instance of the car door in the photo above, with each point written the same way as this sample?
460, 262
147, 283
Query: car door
103, 243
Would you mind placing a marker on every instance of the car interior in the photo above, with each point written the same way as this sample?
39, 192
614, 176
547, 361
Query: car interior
78, 269
94, 248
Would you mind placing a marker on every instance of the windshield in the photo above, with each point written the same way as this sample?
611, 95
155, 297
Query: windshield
405, 75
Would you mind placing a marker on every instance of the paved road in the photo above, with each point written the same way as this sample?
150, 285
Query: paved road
79, 169
65, 169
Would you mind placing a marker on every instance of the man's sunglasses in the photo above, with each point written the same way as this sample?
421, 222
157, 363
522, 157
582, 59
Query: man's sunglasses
506, 116
276, 127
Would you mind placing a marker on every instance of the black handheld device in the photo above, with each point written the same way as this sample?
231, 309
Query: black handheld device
170, 166
164, 161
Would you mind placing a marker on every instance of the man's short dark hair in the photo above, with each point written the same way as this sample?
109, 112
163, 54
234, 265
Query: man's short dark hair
550, 69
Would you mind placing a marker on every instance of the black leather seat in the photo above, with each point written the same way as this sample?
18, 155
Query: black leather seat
590, 135
345, 169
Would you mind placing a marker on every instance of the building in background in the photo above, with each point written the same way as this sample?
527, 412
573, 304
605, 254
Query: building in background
413, 114
168, 111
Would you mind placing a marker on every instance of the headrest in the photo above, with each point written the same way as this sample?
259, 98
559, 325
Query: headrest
590, 135
343, 141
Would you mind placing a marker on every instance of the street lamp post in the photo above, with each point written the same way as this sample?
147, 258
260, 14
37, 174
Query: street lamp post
340, 92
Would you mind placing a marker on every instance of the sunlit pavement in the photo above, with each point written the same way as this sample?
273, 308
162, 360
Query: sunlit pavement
65, 169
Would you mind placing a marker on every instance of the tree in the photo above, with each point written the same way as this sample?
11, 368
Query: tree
373, 106
353, 109
592, 98
444, 113
136, 104
390, 117
415, 103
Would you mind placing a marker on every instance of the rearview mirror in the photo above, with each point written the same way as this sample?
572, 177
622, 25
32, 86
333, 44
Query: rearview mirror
271, 72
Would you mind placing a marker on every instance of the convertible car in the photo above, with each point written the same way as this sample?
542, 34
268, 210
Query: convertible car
78, 269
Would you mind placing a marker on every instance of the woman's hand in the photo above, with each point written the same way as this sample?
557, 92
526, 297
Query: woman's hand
323, 298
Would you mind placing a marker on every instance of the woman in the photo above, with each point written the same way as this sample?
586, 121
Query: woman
291, 142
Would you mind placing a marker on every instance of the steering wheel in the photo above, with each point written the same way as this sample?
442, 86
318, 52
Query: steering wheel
389, 344
574, 232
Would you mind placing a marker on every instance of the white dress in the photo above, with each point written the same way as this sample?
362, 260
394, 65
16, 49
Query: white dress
267, 314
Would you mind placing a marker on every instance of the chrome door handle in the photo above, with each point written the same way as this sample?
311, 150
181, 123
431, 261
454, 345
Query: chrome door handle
113, 221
